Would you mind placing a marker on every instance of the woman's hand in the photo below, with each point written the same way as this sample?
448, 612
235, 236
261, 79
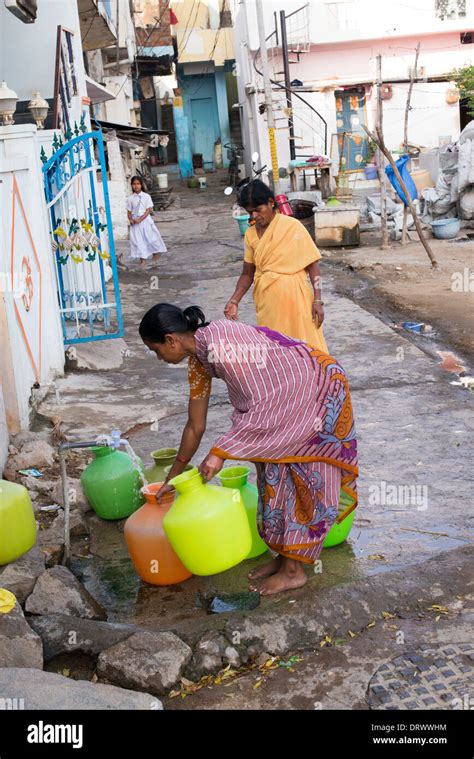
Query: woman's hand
231, 310
164, 490
318, 313
210, 466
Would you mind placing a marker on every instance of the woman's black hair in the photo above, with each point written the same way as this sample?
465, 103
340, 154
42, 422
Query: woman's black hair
255, 193
164, 318
136, 179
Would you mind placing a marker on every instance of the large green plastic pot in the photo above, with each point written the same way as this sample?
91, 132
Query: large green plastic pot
237, 477
339, 532
207, 525
112, 484
17, 522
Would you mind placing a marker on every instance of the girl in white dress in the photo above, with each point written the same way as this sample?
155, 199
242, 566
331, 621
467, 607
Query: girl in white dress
145, 239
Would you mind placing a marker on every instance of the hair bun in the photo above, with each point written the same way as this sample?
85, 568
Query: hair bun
194, 317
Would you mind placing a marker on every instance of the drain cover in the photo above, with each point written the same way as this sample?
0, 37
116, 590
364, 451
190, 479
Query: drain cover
429, 678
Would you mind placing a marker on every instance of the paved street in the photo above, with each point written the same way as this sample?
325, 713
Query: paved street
415, 432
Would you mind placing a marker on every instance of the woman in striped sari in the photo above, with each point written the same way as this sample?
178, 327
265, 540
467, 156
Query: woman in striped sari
292, 417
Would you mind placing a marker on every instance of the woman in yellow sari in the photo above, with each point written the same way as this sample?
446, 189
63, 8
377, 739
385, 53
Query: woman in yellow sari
281, 260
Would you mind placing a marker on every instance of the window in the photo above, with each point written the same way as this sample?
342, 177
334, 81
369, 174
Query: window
467, 38
450, 9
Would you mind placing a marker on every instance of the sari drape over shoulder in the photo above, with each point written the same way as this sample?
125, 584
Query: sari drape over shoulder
293, 418
282, 291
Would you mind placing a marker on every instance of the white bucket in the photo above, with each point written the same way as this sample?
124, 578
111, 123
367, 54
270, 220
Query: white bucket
162, 181
202, 183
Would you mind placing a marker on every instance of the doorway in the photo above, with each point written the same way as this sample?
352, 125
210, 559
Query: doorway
351, 138
204, 127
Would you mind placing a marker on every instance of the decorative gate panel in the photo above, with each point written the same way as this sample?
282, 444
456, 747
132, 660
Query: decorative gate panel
82, 239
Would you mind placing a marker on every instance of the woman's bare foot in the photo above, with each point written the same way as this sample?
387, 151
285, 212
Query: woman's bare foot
291, 575
266, 570
155, 257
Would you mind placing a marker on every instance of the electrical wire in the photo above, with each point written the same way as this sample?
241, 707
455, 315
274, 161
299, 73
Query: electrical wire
181, 47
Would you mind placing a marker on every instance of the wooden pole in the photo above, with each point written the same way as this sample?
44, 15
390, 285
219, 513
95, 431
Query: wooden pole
413, 76
379, 141
381, 158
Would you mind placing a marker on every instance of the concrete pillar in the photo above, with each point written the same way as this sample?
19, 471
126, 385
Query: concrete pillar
183, 140
222, 110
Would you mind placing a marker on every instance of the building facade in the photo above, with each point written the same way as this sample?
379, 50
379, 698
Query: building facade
332, 51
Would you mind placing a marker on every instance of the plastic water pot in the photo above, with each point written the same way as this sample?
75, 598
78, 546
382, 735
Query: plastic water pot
149, 548
112, 484
243, 222
162, 458
17, 522
237, 477
207, 525
339, 532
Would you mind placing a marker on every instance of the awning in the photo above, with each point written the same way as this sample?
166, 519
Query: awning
133, 133
97, 92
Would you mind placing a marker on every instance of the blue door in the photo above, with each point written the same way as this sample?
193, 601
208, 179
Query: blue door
204, 127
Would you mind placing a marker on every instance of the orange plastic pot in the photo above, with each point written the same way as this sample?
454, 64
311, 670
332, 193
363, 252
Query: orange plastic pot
150, 550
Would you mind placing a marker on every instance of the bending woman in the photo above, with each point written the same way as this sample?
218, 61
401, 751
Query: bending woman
292, 417
281, 261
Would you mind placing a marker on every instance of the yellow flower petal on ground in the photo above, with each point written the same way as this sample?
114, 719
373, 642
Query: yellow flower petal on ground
7, 601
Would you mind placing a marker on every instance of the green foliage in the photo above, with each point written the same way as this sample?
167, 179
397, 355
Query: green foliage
464, 78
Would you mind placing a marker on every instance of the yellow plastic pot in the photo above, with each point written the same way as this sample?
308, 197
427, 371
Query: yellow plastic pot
207, 525
17, 522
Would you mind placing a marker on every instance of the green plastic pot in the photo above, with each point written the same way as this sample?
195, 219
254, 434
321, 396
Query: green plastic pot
237, 477
162, 459
112, 484
340, 532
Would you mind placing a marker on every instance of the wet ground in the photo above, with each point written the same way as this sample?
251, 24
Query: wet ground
415, 429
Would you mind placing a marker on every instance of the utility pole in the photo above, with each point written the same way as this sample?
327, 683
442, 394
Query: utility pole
381, 158
268, 95
117, 49
286, 70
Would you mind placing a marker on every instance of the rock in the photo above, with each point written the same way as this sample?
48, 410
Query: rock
77, 499
63, 634
54, 534
35, 689
20, 576
35, 454
213, 652
53, 553
232, 657
20, 646
77, 524
150, 661
58, 591
36, 485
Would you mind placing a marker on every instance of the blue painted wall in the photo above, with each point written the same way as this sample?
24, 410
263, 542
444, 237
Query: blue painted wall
208, 92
